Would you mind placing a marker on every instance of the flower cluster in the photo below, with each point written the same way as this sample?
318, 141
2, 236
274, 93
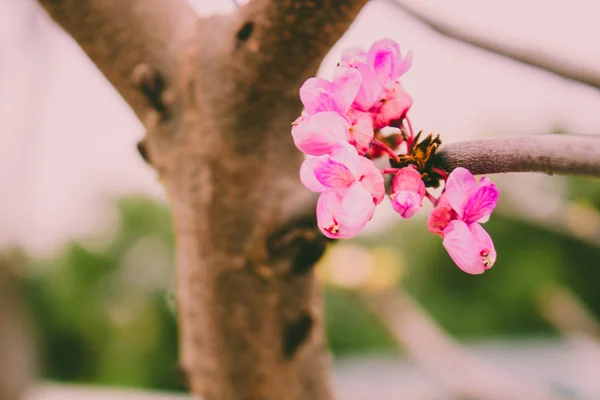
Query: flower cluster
341, 132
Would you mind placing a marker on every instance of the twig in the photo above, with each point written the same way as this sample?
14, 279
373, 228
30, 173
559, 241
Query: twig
563, 154
529, 56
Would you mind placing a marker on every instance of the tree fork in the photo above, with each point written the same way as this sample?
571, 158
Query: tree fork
217, 97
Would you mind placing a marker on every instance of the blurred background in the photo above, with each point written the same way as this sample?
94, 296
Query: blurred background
86, 223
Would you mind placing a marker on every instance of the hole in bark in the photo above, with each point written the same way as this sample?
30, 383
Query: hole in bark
153, 85
141, 148
308, 255
299, 241
245, 32
296, 334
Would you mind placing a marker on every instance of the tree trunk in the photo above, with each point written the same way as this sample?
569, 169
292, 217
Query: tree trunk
217, 97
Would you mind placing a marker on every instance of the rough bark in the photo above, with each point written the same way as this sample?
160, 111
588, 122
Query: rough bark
217, 97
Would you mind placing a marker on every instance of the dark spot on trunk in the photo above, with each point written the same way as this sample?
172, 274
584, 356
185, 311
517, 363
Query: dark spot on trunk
245, 32
295, 334
308, 255
141, 148
153, 85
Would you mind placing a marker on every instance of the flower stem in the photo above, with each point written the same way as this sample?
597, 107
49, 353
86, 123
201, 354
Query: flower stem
431, 198
389, 170
440, 172
385, 148
411, 135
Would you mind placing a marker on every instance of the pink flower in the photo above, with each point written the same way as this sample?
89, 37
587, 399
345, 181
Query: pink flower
340, 170
320, 95
344, 216
379, 68
464, 205
350, 186
408, 191
393, 107
360, 133
316, 135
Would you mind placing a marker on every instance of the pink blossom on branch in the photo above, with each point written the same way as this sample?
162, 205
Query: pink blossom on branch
380, 92
456, 218
408, 191
320, 95
337, 129
346, 181
316, 135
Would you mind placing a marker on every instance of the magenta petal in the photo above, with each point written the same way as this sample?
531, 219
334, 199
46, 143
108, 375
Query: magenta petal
406, 203
382, 58
317, 96
484, 244
346, 83
408, 178
396, 105
307, 175
481, 204
329, 205
360, 133
371, 89
372, 179
403, 64
354, 54
460, 186
333, 174
317, 134
346, 154
463, 248
343, 217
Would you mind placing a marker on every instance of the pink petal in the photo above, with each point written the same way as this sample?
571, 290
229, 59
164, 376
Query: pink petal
372, 179
360, 133
440, 217
346, 154
394, 107
481, 204
484, 244
485, 181
406, 203
317, 96
352, 55
382, 58
317, 134
403, 64
332, 174
346, 83
371, 89
460, 186
307, 175
343, 217
408, 178
463, 248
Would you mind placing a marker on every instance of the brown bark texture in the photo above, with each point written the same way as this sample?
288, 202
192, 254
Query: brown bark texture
217, 97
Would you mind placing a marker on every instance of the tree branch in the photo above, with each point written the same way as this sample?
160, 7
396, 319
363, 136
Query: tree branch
292, 37
119, 35
464, 373
529, 56
563, 154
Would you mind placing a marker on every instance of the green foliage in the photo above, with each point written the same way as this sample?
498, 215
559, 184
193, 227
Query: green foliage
104, 313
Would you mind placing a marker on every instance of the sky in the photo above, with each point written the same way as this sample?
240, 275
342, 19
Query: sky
67, 140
